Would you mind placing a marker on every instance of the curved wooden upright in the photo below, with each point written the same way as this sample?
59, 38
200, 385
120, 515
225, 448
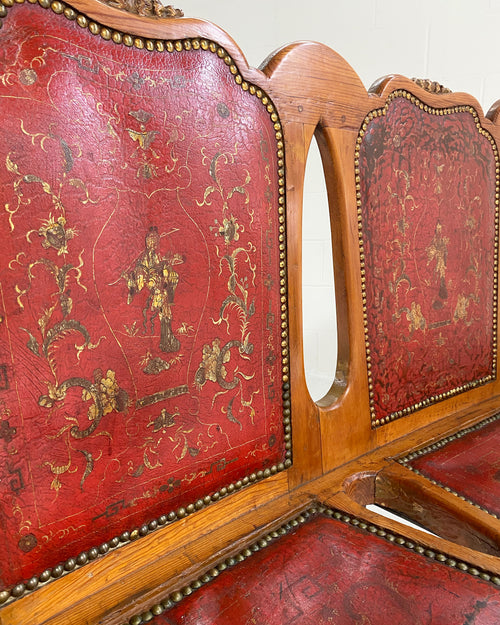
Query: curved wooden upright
156, 428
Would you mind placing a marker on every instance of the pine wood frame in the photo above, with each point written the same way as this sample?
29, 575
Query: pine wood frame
339, 459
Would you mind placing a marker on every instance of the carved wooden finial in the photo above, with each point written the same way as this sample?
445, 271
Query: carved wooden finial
146, 8
431, 86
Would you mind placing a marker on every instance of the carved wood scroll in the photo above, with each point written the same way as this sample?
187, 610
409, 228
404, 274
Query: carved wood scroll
146, 8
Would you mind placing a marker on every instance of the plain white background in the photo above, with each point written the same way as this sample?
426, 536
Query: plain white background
454, 42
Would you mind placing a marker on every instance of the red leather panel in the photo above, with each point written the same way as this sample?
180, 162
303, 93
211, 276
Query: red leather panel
427, 192
140, 334
329, 572
469, 465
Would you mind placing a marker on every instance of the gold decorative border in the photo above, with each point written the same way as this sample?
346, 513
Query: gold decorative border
391, 537
381, 112
406, 460
23, 588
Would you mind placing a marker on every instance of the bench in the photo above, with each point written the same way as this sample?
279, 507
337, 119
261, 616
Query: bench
162, 460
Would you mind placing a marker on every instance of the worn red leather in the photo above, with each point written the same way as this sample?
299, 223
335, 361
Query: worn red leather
140, 334
329, 572
469, 465
427, 191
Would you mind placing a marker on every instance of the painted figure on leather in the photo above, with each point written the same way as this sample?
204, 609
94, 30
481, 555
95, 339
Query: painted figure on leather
141, 318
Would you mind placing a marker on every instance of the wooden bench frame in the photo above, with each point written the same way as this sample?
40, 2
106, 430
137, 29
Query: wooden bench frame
338, 458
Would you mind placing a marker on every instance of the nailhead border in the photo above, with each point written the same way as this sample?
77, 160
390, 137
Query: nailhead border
60, 8
381, 112
177, 596
406, 460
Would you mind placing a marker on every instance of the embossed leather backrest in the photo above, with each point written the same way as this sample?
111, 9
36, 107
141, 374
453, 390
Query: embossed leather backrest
144, 367
427, 193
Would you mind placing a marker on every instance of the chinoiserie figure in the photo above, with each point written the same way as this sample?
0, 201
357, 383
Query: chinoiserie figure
157, 274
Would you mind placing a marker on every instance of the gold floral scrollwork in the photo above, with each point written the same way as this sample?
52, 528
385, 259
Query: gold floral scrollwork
146, 8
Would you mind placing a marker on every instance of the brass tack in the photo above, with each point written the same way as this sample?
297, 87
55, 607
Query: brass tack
45, 576
18, 590
93, 553
57, 7
81, 20
70, 564
116, 37
128, 40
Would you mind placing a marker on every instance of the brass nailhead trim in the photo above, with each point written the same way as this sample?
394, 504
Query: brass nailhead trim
60, 8
267, 539
381, 112
406, 460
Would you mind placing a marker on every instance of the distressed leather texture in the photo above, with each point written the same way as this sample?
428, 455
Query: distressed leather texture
140, 334
326, 571
427, 208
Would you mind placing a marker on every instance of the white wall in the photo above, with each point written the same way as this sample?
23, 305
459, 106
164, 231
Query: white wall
452, 41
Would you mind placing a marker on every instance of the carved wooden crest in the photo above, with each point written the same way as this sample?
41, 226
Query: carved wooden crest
146, 8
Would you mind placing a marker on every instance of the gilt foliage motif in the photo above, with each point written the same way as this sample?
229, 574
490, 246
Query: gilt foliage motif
140, 321
428, 223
